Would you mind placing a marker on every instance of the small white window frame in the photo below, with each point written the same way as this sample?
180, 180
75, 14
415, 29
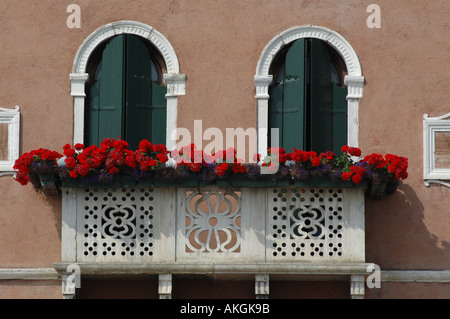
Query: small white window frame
432, 125
11, 117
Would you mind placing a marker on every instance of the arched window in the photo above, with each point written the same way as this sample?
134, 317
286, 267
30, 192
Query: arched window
124, 94
93, 70
319, 51
307, 97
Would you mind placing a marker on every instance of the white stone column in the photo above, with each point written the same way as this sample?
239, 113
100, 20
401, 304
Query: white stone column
262, 83
357, 289
77, 90
355, 92
262, 286
165, 286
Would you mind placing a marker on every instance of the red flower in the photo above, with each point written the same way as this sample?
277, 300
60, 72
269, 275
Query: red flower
73, 174
195, 167
356, 178
329, 155
221, 169
352, 151
160, 148
70, 162
315, 161
82, 169
22, 178
238, 168
113, 170
79, 146
346, 176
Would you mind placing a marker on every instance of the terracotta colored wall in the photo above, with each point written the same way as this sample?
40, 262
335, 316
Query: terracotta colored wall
405, 64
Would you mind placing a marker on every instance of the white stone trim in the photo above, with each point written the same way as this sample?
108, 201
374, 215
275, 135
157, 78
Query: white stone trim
126, 27
176, 82
435, 276
11, 117
431, 125
29, 274
354, 80
425, 276
262, 289
165, 286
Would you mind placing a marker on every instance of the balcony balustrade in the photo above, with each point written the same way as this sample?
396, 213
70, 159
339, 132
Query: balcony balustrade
292, 232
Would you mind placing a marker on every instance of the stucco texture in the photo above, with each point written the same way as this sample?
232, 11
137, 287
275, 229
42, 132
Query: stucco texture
405, 64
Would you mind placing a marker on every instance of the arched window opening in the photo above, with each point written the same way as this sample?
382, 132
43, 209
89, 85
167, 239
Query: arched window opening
125, 95
308, 97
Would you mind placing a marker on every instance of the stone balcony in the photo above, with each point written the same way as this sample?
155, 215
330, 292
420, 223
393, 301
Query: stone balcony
294, 232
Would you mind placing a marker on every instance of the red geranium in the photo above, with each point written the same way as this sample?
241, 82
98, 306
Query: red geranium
40, 161
222, 169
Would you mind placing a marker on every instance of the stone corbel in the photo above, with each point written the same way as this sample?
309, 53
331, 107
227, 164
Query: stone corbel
77, 84
354, 85
262, 286
165, 286
176, 84
262, 83
357, 289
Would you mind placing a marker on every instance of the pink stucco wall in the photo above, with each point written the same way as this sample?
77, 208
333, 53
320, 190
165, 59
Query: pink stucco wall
218, 43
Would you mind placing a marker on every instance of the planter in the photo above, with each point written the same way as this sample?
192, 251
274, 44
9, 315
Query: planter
284, 182
376, 190
118, 181
190, 181
224, 181
240, 180
50, 185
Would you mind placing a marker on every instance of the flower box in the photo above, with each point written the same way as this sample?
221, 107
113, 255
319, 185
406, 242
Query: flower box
114, 165
376, 190
189, 181
50, 184
240, 180
118, 181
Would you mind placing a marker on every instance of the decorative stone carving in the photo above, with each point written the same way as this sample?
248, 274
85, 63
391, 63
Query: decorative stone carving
212, 222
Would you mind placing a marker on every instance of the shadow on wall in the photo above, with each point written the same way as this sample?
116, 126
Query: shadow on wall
398, 238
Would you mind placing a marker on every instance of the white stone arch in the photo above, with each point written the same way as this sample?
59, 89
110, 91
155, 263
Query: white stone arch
354, 80
174, 81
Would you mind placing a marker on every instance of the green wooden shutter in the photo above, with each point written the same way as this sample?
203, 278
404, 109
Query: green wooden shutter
159, 114
91, 136
294, 97
339, 118
138, 92
328, 103
105, 96
321, 98
111, 91
276, 112
145, 100
287, 103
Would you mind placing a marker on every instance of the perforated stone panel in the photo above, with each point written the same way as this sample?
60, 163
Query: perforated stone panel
209, 224
305, 224
115, 224
212, 224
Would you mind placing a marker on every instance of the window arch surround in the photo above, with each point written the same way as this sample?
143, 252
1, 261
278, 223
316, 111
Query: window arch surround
354, 79
174, 81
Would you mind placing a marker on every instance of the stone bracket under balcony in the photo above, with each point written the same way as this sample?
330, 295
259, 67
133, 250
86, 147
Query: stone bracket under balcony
211, 230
